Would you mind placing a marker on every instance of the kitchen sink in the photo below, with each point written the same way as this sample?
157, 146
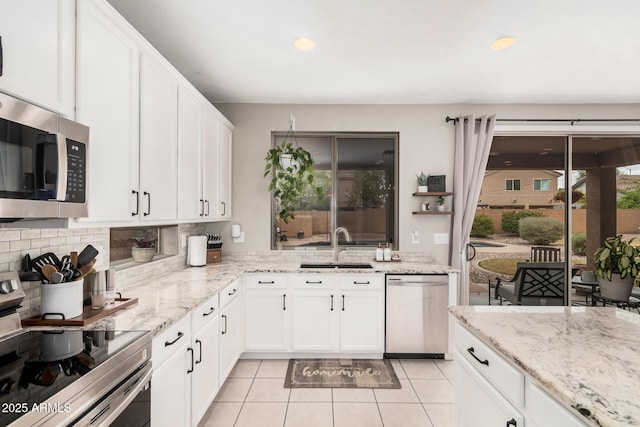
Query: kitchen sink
335, 265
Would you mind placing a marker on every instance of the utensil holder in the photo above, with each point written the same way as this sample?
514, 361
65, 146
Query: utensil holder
61, 299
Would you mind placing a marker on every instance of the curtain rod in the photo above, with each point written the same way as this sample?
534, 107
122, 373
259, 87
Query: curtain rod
573, 121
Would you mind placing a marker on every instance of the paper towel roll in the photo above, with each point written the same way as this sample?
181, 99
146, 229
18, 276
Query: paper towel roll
235, 231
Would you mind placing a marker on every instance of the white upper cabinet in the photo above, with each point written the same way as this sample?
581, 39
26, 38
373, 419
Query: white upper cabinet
158, 140
224, 171
190, 201
210, 156
38, 48
108, 102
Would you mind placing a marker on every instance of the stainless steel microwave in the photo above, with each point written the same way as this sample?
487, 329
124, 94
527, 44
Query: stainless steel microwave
43, 163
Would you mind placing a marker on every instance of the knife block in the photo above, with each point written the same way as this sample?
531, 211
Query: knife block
214, 255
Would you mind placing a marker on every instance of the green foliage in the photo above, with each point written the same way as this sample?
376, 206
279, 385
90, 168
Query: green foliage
540, 231
629, 200
616, 256
576, 196
482, 226
369, 189
422, 179
309, 200
289, 181
510, 220
441, 201
579, 243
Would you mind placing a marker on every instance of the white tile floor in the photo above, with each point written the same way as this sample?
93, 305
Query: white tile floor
254, 396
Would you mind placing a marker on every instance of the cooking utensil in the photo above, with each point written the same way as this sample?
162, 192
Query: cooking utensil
30, 276
85, 269
26, 263
73, 258
87, 254
57, 277
48, 258
48, 270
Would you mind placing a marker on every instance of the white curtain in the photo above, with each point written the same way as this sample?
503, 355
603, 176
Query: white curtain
473, 143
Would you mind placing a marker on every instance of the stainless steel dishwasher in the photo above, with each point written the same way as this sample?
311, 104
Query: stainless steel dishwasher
416, 318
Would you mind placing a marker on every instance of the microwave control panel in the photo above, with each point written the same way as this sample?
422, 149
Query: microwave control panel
76, 171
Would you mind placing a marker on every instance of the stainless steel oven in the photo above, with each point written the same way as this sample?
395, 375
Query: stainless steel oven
43, 163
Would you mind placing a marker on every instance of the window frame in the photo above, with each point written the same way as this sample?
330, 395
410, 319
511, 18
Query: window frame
540, 182
513, 180
334, 136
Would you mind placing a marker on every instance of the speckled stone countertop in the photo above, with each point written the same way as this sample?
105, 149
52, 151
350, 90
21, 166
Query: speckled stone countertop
165, 300
585, 357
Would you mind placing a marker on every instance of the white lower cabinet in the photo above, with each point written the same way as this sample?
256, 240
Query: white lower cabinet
230, 329
490, 391
322, 313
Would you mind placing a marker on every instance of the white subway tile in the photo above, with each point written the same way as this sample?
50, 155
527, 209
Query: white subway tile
18, 245
40, 243
9, 235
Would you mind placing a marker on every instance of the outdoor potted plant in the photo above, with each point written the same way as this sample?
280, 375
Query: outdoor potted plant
422, 183
440, 202
144, 246
616, 267
291, 170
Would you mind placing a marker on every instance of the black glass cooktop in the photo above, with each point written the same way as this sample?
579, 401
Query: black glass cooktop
35, 365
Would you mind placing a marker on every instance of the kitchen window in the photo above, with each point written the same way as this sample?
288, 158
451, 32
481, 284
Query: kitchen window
541, 184
358, 172
512, 184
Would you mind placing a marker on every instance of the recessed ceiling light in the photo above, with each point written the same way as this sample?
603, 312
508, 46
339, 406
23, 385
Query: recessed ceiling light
304, 43
503, 43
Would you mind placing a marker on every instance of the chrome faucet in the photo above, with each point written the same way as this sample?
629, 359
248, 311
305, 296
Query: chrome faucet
336, 248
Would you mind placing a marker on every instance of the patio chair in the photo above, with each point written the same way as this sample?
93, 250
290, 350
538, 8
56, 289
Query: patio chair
545, 254
535, 283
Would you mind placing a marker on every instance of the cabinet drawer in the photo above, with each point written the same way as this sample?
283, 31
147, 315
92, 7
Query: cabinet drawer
314, 281
374, 282
171, 340
266, 281
204, 313
229, 293
502, 374
546, 411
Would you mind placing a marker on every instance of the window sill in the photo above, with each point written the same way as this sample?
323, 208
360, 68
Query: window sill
126, 264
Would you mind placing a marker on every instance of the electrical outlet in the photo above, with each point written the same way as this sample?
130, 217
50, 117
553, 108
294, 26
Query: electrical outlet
415, 237
239, 239
441, 238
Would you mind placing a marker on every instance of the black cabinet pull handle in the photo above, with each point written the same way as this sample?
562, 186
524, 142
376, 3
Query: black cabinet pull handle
199, 352
148, 212
284, 301
483, 362
207, 202
311, 282
224, 208
361, 283
168, 343
342, 302
232, 293
270, 282
512, 422
224, 316
331, 302
1, 57
137, 202
208, 313
201, 207
190, 370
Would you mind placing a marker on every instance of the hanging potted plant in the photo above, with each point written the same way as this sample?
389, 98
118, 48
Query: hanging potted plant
617, 267
291, 170
422, 183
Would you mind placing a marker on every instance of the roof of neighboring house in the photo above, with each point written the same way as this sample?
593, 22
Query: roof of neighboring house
623, 182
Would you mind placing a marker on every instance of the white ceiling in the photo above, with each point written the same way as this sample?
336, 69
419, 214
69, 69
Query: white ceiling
397, 52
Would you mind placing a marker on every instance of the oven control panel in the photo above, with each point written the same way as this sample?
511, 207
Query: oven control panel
11, 293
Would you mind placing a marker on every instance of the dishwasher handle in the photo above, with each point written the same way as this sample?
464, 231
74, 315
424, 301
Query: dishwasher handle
416, 283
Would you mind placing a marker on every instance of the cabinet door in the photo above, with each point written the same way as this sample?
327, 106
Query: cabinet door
107, 102
267, 325
230, 332
478, 403
38, 42
158, 140
190, 201
171, 391
314, 326
204, 380
210, 153
225, 165
361, 321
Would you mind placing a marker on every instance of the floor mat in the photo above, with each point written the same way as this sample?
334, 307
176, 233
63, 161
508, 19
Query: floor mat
341, 373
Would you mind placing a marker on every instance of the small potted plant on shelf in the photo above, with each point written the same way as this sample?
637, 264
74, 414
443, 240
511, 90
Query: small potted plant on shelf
617, 266
422, 183
144, 246
440, 202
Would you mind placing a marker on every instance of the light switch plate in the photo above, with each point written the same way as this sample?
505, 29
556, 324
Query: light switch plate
441, 238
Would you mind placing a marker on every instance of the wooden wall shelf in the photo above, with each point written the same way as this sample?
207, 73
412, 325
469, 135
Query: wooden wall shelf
434, 193
433, 213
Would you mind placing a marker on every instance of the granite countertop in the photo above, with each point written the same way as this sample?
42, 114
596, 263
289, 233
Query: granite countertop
165, 300
585, 357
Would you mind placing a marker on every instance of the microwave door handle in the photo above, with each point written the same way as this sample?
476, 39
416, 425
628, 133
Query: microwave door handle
61, 184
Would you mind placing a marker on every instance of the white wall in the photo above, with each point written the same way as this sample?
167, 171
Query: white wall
426, 144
